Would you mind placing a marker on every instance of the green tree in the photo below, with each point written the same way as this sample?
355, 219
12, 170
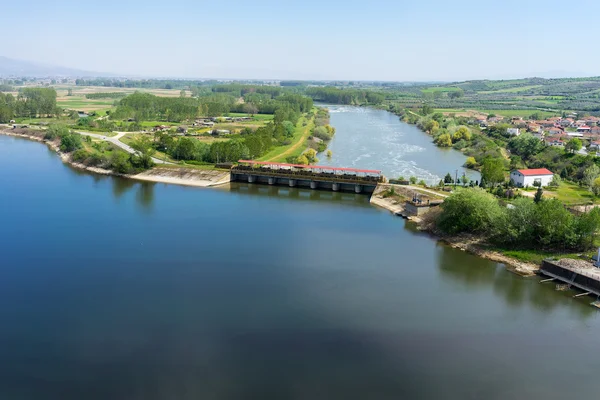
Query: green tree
590, 174
70, 92
596, 186
426, 109
573, 145
462, 133
471, 162
493, 171
70, 142
448, 178
525, 145
469, 210
443, 140
538, 195
464, 180
413, 180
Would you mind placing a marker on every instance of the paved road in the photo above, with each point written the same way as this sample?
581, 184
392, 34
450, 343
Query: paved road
115, 140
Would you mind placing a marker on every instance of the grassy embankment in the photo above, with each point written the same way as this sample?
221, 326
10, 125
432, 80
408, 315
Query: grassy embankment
298, 142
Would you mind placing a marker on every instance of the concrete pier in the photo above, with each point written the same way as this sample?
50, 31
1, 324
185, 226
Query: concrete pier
251, 178
271, 181
335, 187
313, 185
357, 188
577, 273
292, 182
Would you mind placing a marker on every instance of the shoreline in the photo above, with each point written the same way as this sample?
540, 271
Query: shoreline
175, 176
467, 243
203, 178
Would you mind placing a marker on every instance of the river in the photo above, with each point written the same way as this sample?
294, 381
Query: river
368, 138
114, 289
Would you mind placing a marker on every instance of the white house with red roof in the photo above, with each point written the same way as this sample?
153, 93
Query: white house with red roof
528, 177
583, 128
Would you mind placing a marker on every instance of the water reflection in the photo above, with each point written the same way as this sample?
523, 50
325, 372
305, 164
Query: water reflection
475, 274
300, 194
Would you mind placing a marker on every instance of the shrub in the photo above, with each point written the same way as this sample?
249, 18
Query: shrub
471, 210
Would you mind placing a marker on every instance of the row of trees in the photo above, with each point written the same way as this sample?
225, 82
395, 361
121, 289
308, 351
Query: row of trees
30, 102
335, 95
545, 224
145, 106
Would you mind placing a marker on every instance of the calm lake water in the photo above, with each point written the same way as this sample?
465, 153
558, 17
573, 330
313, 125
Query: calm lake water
375, 139
112, 289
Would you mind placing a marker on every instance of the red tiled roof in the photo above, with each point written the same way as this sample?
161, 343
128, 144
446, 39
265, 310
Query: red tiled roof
535, 171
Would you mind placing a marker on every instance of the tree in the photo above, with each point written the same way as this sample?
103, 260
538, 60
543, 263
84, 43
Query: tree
469, 210
462, 133
525, 145
573, 145
464, 180
426, 109
455, 94
329, 154
590, 174
413, 180
70, 142
471, 162
556, 181
448, 178
493, 171
250, 108
70, 92
443, 140
538, 195
596, 186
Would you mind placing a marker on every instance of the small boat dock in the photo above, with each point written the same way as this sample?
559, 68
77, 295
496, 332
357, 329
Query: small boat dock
582, 274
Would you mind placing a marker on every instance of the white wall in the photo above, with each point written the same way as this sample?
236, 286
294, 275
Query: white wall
524, 181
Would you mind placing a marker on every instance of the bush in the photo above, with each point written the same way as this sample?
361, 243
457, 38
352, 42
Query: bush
70, 142
80, 155
471, 210
413, 180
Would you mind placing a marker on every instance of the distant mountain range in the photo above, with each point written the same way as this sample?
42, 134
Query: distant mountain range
11, 67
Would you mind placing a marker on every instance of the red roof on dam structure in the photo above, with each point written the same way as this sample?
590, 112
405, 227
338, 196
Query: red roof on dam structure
319, 167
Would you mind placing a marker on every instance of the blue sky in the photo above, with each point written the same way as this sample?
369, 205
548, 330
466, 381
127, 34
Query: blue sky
355, 40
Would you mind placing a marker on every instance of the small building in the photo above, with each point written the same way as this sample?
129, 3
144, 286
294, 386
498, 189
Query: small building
575, 134
583, 128
554, 141
555, 131
529, 177
513, 131
595, 145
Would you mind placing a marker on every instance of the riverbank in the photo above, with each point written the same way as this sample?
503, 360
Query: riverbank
209, 178
178, 176
470, 243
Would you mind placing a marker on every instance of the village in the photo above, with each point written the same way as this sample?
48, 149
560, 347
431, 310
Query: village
553, 131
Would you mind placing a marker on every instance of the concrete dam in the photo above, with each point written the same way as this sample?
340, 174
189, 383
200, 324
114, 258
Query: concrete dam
307, 176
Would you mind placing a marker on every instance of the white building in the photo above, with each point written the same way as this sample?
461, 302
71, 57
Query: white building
527, 177
513, 131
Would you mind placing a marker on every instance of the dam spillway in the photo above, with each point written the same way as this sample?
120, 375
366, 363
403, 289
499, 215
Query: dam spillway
314, 177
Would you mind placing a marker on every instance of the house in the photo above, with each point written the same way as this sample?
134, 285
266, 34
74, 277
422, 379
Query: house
548, 124
555, 131
513, 131
583, 128
554, 141
540, 135
575, 134
534, 128
595, 130
567, 122
531, 177
595, 145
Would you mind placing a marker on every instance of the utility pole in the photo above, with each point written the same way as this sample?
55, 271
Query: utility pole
455, 177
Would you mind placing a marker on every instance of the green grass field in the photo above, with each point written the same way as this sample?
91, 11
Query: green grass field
570, 193
297, 147
443, 89
511, 90
520, 113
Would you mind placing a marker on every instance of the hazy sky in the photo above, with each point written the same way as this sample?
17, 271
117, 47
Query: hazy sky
356, 40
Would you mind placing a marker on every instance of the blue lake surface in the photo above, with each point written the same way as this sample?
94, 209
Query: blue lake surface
114, 289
